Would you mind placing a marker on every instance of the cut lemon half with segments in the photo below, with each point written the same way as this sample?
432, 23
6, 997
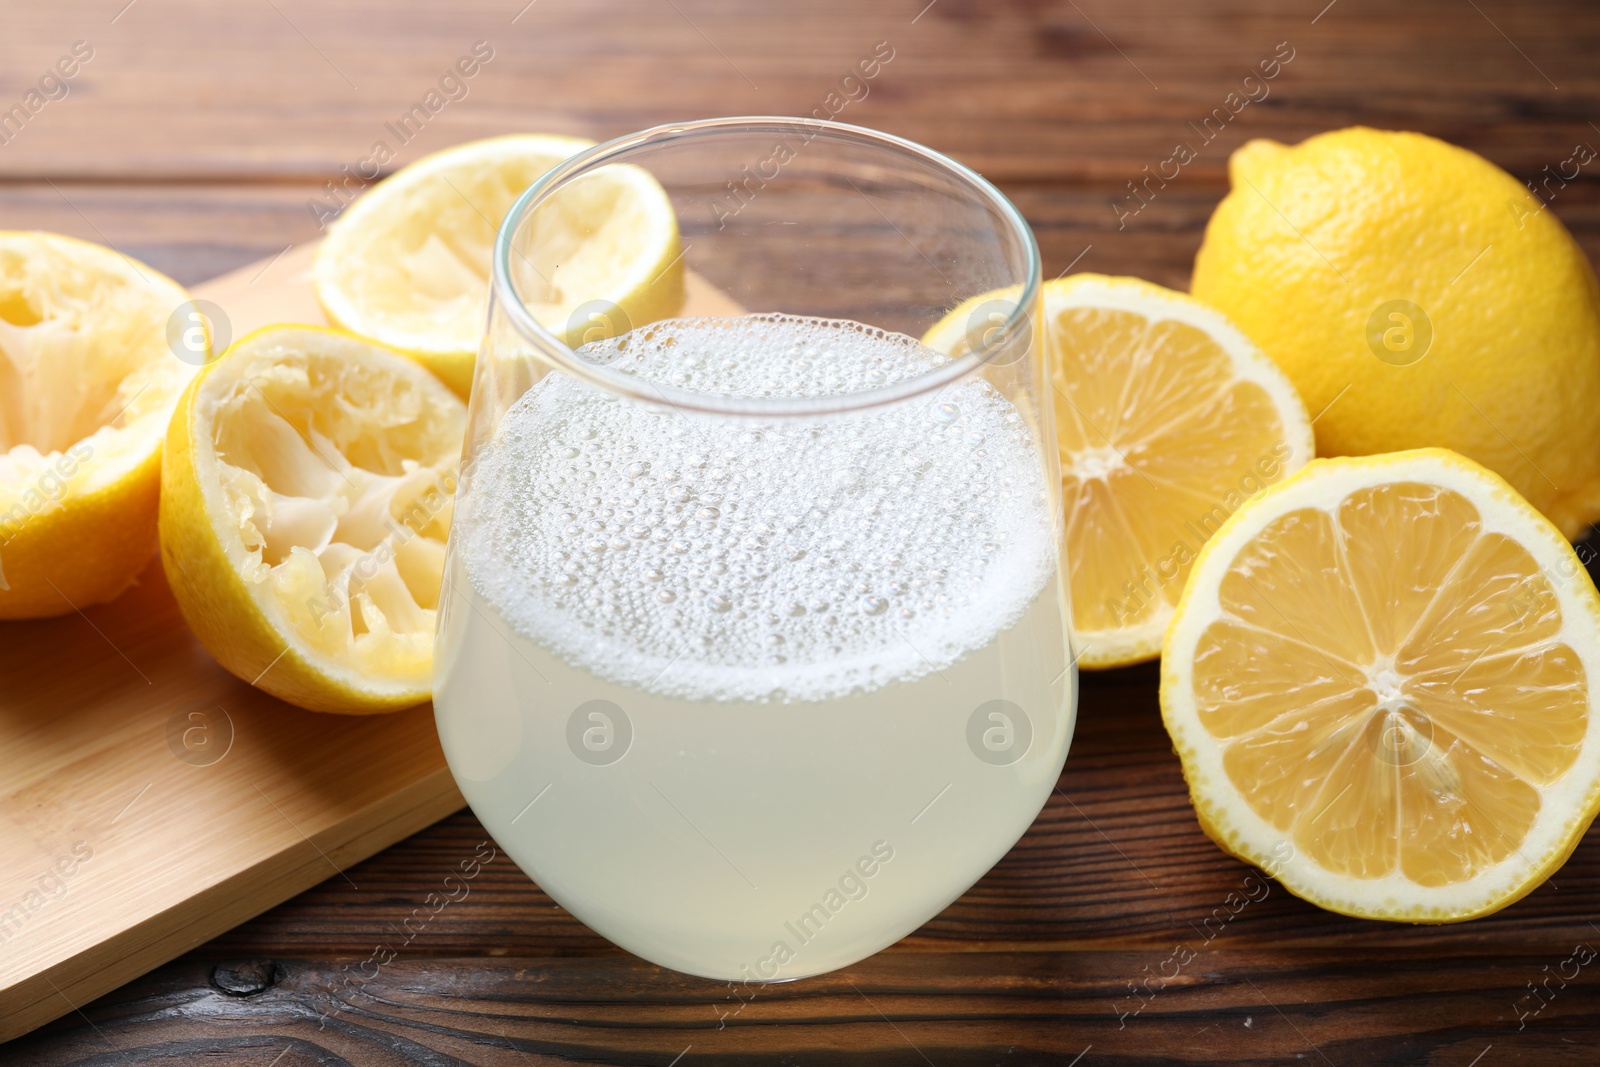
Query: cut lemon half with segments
87, 382
1380, 683
408, 264
1167, 419
306, 495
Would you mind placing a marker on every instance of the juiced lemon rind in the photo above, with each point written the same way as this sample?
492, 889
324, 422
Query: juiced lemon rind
408, 263
78, 491
307, 558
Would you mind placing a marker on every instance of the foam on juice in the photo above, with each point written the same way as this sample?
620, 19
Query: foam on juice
739, 560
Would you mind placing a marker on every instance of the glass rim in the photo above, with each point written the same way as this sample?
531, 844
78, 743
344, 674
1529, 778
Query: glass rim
601, 376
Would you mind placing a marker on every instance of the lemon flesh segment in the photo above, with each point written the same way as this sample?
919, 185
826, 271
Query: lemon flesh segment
409, 263
304, 517
1418, 296
1167, 419
1379, 683
87, 384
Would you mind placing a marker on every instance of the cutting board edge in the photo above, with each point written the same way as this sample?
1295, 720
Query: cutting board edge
65, 986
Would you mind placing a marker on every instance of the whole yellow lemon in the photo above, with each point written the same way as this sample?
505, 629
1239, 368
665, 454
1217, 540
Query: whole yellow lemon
1417, 295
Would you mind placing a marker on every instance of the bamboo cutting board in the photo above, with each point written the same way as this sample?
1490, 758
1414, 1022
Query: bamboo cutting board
149, 800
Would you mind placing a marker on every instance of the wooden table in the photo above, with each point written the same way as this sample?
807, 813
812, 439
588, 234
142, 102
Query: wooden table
195, 138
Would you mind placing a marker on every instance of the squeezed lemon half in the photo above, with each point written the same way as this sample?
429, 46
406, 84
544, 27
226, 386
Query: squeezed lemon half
408, 264
306, 497
87, 383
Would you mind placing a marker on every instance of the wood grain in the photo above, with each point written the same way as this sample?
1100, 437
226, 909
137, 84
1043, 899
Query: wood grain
1230, 1006
1025, 90
151, 800
194, 140
1111, 882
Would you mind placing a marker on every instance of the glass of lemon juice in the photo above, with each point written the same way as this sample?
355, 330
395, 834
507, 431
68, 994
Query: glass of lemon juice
752, 648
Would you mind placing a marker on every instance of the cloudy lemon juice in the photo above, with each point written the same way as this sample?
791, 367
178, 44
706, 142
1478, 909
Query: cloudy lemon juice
756, 698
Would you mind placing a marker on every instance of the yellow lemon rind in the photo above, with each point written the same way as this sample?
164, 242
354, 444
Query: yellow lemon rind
1140, 643
1567, 807
1314, 240
657, 294
1106, 649
108, 535
202, 555
108, 530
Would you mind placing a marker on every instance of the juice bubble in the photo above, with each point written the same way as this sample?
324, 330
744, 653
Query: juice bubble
872, 548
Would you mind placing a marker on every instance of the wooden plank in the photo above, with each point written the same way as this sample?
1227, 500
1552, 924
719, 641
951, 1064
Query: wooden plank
1116, 859
151, 800
1035, 90
1109, 1006
1110, 881
177, 837
193, 233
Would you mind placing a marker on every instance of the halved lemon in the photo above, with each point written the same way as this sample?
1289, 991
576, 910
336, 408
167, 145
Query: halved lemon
1380, 681
408, 264
306, 494
88, 380
1168, 419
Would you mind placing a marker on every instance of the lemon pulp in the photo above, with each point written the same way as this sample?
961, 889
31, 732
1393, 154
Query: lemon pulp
1167, 419
87, 382
1384, 665
304, 516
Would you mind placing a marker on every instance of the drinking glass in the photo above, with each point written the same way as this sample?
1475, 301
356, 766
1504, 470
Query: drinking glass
752, 647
